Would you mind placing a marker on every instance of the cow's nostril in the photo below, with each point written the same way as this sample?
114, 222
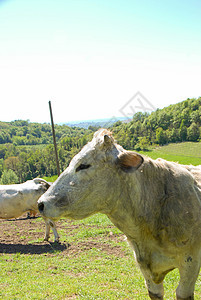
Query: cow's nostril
41, 207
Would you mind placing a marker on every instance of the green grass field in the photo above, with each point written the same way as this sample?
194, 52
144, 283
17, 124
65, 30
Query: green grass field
98, 263
183, 153
51, 179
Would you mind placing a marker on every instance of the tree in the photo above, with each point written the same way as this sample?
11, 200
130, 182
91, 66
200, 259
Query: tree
143, 144
161, 137
1, 166
195, 116
183, 131
9, 177
11, 163
193, 132
4, 137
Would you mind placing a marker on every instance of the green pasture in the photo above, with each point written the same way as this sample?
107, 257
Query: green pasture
184, 153
105, 270
51, 179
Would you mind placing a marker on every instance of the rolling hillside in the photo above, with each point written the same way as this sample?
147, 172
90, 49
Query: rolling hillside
26, 149
183, 153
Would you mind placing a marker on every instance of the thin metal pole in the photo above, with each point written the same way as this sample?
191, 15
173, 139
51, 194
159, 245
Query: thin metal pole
54, 139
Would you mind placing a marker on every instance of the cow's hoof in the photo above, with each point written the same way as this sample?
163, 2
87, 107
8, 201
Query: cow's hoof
155, 296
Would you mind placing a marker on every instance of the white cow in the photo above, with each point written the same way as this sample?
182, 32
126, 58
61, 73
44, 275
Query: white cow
16, 199
156, 203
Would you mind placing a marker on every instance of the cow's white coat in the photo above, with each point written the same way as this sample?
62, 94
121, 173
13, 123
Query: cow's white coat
155, 203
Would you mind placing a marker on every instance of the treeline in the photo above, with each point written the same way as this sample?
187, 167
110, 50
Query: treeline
26, 149
27, 160
176, 123
25, 133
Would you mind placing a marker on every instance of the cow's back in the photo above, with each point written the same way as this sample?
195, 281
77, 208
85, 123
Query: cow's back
11, 199
16, 199
196, 172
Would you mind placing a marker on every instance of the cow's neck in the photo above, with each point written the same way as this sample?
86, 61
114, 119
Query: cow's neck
134, 210
124, 212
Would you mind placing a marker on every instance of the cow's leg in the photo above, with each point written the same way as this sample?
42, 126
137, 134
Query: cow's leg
156, 291
56, 236
47, 230
188, 275
49, 223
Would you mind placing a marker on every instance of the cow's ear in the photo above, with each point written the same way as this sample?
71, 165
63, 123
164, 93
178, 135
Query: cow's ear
41, 181
108, 140
129, 161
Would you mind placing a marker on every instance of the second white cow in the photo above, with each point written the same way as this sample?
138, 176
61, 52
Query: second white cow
16, 199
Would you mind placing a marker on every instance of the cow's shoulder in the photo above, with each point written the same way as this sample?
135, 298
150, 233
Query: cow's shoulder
170, 203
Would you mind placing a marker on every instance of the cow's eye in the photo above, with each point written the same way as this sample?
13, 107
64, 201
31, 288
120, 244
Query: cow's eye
82, 167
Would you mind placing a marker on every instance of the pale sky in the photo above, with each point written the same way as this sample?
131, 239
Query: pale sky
89, 57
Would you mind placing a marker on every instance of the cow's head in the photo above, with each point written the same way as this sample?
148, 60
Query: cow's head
93, 180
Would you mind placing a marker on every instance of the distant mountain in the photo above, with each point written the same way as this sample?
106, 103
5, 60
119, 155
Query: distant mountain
106, 123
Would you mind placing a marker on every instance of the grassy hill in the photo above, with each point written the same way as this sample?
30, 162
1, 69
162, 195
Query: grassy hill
183, 153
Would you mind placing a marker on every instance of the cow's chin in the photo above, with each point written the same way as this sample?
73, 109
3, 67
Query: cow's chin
52, 217
55, 215
51, 214
77, 216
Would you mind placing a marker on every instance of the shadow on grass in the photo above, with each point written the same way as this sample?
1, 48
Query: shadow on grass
32, 249
22, 219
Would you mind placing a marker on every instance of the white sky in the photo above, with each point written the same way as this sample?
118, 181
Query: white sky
89, 57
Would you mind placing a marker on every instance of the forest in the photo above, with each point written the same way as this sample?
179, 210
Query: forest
27, 151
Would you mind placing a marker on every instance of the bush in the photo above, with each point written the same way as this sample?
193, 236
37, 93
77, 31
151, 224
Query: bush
9, 177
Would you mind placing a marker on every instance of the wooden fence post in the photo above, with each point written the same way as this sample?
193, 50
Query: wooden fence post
54, 139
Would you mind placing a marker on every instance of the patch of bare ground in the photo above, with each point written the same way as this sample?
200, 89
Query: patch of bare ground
21, 236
